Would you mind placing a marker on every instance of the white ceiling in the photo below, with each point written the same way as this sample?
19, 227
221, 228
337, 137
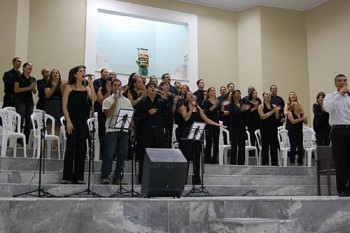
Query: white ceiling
237, 5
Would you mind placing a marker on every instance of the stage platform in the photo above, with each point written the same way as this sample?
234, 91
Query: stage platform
246, 199
187, 214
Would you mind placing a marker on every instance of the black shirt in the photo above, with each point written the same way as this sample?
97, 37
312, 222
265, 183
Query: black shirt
41, 85
200, 97
155, 120
211, 114
9, 79
278, 101
25, 97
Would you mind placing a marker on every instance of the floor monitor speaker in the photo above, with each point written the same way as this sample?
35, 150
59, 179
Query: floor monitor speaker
164, 173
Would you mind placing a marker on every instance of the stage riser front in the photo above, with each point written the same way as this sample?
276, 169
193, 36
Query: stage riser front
241, 215
8, 190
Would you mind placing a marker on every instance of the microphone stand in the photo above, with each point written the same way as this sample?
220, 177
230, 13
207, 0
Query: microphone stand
88, 191
40, 192
201, 191
121, 191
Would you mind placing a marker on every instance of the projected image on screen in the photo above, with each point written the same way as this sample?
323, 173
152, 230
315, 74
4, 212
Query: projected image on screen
119, 36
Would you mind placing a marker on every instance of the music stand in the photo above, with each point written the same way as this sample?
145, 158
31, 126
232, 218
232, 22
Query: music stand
196, 133
123, 122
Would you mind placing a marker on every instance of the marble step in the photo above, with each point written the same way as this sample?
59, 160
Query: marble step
249, 225
54, 177
8, 190
30, 164
193, 214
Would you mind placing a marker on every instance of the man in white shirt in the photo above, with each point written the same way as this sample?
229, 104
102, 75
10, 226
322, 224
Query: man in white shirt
337, 104
116, 140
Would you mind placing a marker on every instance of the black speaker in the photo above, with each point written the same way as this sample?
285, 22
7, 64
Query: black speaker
164, 173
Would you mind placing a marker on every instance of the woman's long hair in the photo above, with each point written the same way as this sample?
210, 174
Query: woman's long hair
71, 78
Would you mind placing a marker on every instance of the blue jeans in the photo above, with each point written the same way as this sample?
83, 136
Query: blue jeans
116, 145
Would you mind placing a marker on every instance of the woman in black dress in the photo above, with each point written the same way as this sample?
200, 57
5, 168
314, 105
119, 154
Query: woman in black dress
253, 118
321, 121
238, 134
295, 132
269, 115
53, 95
192, 149
212, 110
76, 108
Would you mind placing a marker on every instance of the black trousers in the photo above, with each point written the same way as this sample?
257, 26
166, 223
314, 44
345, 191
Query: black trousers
148, 137
212, 140
74, 158
238, 136
269, 142
341, 155
296, 142
322, 136
192, 149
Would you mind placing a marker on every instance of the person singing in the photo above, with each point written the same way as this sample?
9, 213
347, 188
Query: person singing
337, 104
192, 149
150, 112
116, 140
76, 108
269, 115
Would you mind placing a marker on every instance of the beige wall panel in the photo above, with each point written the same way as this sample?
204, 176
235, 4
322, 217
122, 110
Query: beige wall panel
8, 22
56, 35
249, 50
328, 45
284, 53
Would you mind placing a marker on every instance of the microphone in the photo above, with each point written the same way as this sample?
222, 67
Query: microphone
125, 117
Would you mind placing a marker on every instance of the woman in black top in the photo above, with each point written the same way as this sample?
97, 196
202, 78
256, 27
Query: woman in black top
179, 100
225, 115
295, 132
269, 114
76, 109
253, 118
238, 134
321, 121
53, 95
192, 149
292, 97
25, 87
212, 110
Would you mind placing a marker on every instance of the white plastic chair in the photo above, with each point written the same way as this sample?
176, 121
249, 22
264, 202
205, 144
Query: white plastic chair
258, 143
31, 135
283, 140
223, 148
93, 122
309, 144
249, 147
11, 129
63, 136
174, 143
10, 109
37, 122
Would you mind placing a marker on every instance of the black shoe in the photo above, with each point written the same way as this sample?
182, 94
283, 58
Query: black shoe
207, 160
80, 182
105, 181
214, 161
196, 180
66, 182
119, 182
